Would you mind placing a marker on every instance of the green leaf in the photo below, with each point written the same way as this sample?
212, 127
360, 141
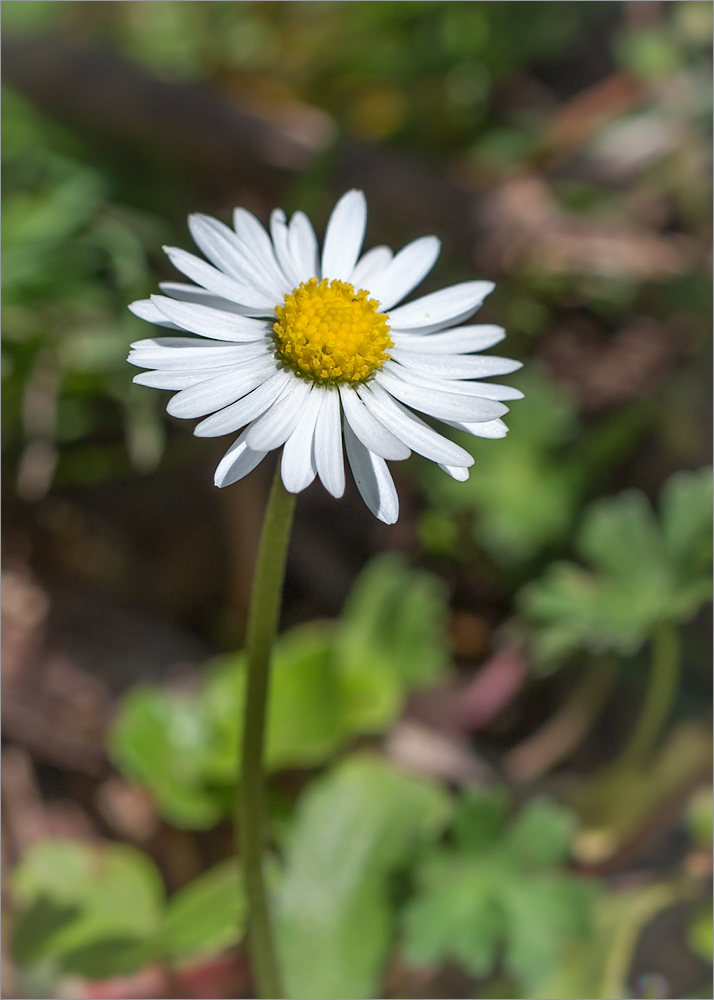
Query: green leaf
161, 739
480, 818
620, 536
110, 956
330, 682
544, 913
304, 712
206, 916
642, 571
525, 492
90, 906
686, 508
354, 827
315, 706
542, 833
305, 722
395, 620
454, 917
498, 891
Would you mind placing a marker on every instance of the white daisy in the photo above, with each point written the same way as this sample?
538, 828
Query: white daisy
302, 351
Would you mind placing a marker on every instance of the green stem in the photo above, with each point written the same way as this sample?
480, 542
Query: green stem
629, 929
661, 690
262, 625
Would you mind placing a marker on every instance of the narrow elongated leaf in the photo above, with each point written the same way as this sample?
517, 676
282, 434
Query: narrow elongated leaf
206, 916
353, 829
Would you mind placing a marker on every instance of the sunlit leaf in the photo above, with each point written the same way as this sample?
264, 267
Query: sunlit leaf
161, 740
330, 682
92, 907
353, 828
205, 916
395, 618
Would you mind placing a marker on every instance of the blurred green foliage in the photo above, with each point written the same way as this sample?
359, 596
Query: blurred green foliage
643, 572
523, 492
72, 260
331, 681
497, 891
63, 888
599, 966
352, 830
100, 909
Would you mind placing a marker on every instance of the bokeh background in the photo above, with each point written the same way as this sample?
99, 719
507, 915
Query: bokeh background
490, 738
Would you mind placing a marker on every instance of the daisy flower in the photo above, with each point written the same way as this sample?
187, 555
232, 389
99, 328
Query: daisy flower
302, 350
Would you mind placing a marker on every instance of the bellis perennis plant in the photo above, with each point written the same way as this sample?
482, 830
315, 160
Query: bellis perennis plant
302, 350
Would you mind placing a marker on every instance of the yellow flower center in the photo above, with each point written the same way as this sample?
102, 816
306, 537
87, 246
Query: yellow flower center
331, 333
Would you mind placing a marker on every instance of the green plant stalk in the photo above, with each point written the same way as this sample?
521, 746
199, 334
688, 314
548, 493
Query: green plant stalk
619, 959
262, 625
661, 690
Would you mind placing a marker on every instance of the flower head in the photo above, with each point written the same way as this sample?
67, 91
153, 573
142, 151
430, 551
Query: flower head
303, 351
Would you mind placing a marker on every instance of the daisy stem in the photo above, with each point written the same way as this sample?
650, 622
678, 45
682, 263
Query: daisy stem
661, 689
251, 826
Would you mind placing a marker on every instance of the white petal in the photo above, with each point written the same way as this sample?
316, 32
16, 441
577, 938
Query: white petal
456, 472
297, 466
438, 403
192, 293
207, 322
370, 266
487, 390
456, 366
252, 235
279, 233
219, 283
145, 309
493, 429
302, 244
216, 242
237, 462
460, 340
373, 479
213, 394
371, 431
246, 409
492, 390
344, 236
149, 343
176, 379
421, 438
440, 309
329, 461
410, 266
186, 357
276, 424
221, 245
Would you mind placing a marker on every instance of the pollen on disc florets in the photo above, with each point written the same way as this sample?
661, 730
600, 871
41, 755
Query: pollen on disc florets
331, 333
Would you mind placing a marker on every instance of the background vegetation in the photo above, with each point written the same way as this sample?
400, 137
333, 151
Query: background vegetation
489, 737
